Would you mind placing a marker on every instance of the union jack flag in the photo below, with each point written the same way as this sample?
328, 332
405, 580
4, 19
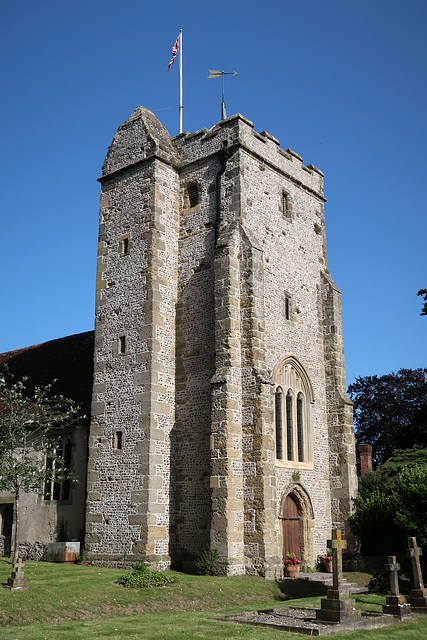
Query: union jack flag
174, 52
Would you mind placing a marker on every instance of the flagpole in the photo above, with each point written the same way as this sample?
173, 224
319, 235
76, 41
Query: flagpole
180, 82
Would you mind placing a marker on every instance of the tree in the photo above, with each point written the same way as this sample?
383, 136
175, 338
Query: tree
423, 293
386, 409
392, 503
30, 426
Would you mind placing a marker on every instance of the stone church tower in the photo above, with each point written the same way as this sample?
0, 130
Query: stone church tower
219, 413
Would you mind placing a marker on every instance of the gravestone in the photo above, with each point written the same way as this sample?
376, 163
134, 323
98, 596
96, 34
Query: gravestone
418, 597
338, 607
396, 604
17, 580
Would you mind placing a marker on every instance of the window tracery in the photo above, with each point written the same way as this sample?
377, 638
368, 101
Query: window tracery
293, 397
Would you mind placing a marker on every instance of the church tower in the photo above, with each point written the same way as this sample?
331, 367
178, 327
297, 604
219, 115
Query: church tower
219, 413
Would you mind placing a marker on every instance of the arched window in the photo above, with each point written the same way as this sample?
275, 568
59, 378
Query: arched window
278, 421
300, 427
293, 398
289, 426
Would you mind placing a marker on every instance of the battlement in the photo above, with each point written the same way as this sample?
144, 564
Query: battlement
238, 130
142, 136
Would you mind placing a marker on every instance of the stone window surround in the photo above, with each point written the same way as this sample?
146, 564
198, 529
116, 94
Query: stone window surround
118, 440
290, 379
125, 244
286, 205
288, 307
192, 188
121, 345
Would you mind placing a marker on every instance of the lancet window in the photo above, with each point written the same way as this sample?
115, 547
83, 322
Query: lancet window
56, 488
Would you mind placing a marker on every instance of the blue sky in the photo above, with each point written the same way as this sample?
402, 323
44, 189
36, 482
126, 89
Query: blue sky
341, 82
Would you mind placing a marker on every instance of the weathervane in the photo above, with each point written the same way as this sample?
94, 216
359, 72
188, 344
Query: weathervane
216, 74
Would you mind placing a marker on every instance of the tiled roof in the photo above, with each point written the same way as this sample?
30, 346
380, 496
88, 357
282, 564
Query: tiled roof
67, 360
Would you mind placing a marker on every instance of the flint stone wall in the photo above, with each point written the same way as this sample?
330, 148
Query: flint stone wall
199, 298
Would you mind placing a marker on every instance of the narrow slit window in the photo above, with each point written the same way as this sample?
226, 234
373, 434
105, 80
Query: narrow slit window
125, 246
287, 308
118, 440
122, 344
278, 415
286, 205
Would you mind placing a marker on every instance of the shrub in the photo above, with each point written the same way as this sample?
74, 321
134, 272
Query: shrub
141, 577
379, 583
206, 562
391, 507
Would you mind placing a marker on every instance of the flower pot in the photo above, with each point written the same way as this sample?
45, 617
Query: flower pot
328, 566
291, 570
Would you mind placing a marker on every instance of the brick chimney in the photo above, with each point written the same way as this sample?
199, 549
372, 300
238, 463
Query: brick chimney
365, 454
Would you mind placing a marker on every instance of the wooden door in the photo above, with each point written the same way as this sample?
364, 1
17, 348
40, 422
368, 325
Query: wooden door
290, 520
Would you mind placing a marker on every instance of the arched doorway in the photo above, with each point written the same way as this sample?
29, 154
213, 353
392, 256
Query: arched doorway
297, 517
291, 527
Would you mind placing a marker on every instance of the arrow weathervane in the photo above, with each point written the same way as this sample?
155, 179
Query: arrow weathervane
215, 73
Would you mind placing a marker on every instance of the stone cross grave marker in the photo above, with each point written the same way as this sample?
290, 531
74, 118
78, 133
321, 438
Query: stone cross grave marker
338, 607
19, 566
396, 604
418, 599
17, 579
393, 568
337, 544
414, 553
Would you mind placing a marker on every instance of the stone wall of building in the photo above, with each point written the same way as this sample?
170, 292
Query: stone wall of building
212, 294
44, 516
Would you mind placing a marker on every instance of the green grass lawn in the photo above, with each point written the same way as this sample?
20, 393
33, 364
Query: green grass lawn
67, 602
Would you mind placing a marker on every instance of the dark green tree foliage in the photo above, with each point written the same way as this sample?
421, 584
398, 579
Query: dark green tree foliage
390, 411
30, 426
423, 293
392, 504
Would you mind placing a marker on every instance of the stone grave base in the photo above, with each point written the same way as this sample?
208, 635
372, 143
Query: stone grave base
300, 620
7, 586
16, 582
398, 607
338, 607
418, 600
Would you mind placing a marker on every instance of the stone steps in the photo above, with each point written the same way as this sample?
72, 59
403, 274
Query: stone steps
326, 579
